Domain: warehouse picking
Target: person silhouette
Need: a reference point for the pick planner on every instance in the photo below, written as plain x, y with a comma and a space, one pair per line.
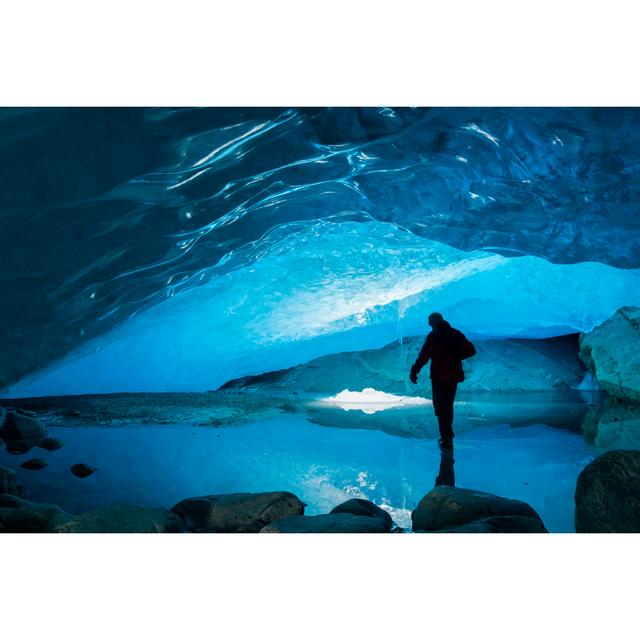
446, 347
446, 476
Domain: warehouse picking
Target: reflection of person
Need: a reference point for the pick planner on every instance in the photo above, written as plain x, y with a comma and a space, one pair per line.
446, 347
445, 474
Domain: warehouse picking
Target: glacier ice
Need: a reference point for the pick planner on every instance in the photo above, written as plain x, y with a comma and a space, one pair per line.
337, 285
106, 212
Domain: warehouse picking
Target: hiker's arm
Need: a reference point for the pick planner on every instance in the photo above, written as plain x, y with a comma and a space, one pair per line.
422, 359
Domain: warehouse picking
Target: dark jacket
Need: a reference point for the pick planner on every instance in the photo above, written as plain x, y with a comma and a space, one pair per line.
446, 347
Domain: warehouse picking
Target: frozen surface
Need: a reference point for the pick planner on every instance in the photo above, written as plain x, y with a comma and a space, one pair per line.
337, 285
262, 237
160, 465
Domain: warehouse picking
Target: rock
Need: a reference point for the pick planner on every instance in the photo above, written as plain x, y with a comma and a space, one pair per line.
237, 512
4, 512
497, 524
360, 507
81, 470
17, 447
448, 507
612, 353
32, 518
7, 500
500, 365
34, 464
612, 425
9, 482
3, 417
51, 444
18, 426
124, 518
328, 523
608, 494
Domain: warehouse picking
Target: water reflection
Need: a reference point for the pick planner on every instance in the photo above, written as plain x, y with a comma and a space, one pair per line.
446, 475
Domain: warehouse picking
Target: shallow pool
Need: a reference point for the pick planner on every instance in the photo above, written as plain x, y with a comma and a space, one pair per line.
158, 465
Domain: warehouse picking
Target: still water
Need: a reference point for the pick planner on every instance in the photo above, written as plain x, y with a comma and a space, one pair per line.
323, 464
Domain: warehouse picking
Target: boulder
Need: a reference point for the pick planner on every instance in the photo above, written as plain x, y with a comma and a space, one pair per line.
497, 524
9, 482
19, 426
608, 494
360, 507
328, 523
612, 353
32, 518
448, 507
124, 518
612, 425
34, 464
81, 470
51, 444
17, 447
11, 501
237, 512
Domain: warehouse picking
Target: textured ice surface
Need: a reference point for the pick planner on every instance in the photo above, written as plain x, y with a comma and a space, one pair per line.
106, 212
337, 285
151, 465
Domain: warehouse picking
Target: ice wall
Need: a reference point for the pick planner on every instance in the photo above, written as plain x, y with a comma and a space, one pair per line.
106, 213
336, 285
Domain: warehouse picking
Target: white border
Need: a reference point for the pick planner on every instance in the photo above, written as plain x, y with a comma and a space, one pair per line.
334, 52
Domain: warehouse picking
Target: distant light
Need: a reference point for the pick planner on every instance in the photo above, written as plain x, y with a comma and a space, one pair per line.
371, 400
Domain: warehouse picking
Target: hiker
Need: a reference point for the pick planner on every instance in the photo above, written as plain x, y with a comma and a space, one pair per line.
446, 347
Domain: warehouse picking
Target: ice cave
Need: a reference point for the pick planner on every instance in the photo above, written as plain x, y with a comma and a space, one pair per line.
209, 318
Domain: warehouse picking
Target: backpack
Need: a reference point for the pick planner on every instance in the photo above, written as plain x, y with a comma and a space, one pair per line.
465, 348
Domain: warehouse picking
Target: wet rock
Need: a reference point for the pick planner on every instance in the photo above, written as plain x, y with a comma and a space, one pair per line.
612, 353
51, 444
7, 500
237, 512
448, 507
3, 417
9, 482
328, 523
360, 507
124, 518
613, 425
17, 447
608, 494
497, 524
19, 426
32, 518
81, 470
4, 512
34, 464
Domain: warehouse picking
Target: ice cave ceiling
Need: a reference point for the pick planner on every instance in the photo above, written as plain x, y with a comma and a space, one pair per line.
173, 249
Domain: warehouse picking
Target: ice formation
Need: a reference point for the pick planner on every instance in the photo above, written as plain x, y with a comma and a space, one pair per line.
172, 249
